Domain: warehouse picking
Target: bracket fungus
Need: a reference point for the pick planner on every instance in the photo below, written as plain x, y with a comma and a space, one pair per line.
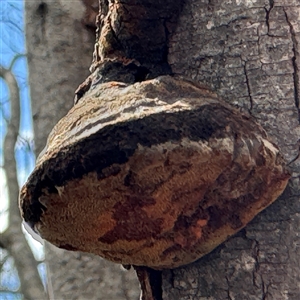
155, 174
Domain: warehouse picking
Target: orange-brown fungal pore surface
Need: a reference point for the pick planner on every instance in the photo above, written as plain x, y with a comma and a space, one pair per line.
157, 174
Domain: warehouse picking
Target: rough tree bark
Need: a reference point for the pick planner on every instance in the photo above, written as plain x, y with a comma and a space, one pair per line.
248, 52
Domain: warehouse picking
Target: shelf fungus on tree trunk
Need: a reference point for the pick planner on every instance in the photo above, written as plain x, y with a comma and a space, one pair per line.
154, 174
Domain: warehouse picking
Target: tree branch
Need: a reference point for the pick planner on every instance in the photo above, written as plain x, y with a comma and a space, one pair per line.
15, 58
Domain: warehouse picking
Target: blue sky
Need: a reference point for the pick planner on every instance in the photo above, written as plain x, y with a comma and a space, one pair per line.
12, 43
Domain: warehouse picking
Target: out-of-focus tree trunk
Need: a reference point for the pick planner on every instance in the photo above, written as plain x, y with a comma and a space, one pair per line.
59, 51
248, 52
13, 239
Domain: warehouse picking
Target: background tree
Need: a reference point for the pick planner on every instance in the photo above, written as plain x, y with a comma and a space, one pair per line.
59, 50
246, 51
13, 239
19, 269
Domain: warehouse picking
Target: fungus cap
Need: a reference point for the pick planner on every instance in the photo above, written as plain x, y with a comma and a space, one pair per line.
155, 174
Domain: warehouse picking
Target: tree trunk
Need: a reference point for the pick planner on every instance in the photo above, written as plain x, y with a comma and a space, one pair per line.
246, 51
59, 54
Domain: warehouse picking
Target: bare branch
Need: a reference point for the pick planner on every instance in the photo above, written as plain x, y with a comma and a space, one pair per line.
16, 57
13, 239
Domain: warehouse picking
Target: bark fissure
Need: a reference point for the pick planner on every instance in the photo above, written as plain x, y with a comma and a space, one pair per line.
295, 58
228, 289
248, 86
265, 289
42, 12
268, 11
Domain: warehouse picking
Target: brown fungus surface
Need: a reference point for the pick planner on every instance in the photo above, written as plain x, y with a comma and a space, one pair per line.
156, 174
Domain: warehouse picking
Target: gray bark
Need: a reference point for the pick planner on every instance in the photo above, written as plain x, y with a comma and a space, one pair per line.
246, 51
59, 54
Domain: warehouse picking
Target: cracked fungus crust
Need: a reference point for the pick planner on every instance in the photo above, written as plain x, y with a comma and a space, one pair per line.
155, 174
